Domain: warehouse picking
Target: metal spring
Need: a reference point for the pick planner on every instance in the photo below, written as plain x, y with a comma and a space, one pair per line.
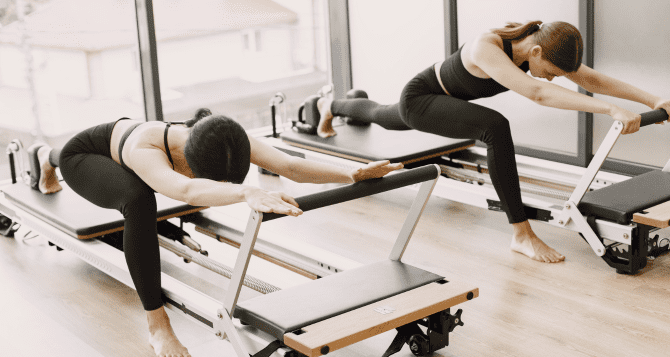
481, 178
215, 266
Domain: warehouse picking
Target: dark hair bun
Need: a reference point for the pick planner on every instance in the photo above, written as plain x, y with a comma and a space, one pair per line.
199, 114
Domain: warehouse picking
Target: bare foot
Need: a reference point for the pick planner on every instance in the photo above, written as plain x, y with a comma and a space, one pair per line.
325, 128
162, 338
525, 241
48, 180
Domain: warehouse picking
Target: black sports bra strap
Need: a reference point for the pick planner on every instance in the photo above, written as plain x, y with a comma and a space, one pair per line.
123, 142
507, 47
167, 148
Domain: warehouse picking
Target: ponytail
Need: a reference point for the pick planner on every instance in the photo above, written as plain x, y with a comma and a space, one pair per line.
561, 42
516, 31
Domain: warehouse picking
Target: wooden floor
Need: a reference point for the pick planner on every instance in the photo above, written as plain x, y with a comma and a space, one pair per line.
54, 304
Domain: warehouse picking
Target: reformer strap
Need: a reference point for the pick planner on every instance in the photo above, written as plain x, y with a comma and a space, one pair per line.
591, 220
269, 349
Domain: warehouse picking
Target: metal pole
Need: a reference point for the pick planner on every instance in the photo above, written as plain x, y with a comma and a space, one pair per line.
30, 66
146, 34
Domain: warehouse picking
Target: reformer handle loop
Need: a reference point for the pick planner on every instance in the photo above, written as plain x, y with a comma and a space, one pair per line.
653, 116
362, 189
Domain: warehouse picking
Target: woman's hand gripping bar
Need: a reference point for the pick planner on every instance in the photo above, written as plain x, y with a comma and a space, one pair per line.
654, 116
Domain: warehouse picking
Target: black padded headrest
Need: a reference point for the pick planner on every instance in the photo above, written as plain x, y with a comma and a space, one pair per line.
618, 202
286, 310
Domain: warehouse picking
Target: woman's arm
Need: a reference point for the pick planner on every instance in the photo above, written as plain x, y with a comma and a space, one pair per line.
493, 61
305, 171
596, 82
152, 166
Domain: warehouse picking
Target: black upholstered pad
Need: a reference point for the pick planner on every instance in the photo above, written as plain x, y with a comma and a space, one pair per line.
78, 217
374, 143
288, 310
618, 202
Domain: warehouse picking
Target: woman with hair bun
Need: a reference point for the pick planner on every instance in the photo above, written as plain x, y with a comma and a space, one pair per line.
202, 162
438, 99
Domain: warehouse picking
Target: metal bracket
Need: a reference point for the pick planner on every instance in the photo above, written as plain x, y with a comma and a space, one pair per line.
225, 329
570, 211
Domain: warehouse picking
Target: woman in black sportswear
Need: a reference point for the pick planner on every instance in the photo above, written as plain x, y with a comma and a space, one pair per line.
203, 162
437, 101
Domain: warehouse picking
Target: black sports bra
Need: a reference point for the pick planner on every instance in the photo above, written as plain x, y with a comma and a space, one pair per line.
463, 85
130, 130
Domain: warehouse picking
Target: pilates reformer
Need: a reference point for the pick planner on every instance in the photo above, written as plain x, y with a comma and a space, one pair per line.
292, 322
622, 222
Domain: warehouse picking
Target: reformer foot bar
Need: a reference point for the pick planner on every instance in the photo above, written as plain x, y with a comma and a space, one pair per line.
338, 310
623, 223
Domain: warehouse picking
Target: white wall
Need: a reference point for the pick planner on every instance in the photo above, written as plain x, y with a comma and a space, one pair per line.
532, 125
633, 45
391, 42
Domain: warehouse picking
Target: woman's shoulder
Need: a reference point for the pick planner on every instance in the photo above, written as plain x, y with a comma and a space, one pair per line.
488, 37
146, 134
473, 48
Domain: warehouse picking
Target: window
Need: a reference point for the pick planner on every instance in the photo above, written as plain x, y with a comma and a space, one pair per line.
628, 48
67, 65
533, 126
233, 56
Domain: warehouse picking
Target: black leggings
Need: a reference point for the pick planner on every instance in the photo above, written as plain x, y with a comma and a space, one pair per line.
87, 167
425, 107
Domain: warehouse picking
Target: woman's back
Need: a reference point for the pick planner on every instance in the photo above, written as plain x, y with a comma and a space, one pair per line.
147, 135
